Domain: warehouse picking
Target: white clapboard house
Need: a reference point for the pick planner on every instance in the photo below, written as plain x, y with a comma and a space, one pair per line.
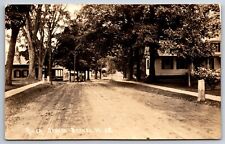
169, 65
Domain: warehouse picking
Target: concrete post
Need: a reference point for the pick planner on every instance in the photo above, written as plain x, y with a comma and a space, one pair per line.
43, 77
48, 80
201, 90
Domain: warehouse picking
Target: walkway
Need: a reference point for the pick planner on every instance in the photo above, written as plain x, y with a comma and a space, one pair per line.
21, 89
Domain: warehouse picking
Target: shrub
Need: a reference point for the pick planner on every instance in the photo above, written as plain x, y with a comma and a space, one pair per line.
212, 77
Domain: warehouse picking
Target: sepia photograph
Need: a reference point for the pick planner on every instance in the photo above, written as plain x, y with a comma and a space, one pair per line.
112, 72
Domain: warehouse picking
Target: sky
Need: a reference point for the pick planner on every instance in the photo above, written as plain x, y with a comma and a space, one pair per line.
73, 8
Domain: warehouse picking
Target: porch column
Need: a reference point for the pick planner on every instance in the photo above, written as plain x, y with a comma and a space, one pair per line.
191, 69
174, 63
207, 63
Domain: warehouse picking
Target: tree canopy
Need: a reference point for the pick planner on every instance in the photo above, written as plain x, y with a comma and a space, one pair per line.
15, 18
124, 31
120, 31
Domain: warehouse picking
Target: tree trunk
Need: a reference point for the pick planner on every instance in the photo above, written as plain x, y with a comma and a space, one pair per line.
88, 74
139, 57
49, 46
41, 59
34, 30
130, 66
49, 59
138, 69
40, 68
31, 49
100, 74
131, 72
41, 56
50, 66
96, 73
77, 76
10, 56
152, 77
74, 65
31, 52
70, 76
124, 72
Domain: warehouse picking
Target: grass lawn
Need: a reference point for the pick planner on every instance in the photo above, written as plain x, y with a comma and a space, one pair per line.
18, 83
193, 88
165, 93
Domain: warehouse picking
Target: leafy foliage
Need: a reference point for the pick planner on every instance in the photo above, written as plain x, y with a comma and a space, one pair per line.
212, 77
197, 25
123, 31
15, 15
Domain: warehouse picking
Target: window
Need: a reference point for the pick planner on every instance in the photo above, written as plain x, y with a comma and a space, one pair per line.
218, 47
167, 62
58, 73
25, 73
182, 63
17, 74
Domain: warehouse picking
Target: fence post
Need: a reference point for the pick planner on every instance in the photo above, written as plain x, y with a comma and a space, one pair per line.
201, 90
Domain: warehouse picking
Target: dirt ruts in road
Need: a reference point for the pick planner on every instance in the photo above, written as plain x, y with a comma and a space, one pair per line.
138, 114
102, 110
57, 113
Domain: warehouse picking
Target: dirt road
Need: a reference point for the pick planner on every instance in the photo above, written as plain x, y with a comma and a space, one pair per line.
104, 110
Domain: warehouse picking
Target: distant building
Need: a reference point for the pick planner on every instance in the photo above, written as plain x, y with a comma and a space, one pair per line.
20, 66
21, 69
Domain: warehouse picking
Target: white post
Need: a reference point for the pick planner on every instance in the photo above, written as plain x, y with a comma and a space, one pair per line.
201, 90
43, 77
48, 79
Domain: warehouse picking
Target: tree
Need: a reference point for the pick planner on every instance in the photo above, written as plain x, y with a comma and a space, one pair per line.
64, 52
96, 35
183, 27
69, 51
190, 39
30, 31
56, 14
123, 31
43, 23
136, 29
198, 23
15, 17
